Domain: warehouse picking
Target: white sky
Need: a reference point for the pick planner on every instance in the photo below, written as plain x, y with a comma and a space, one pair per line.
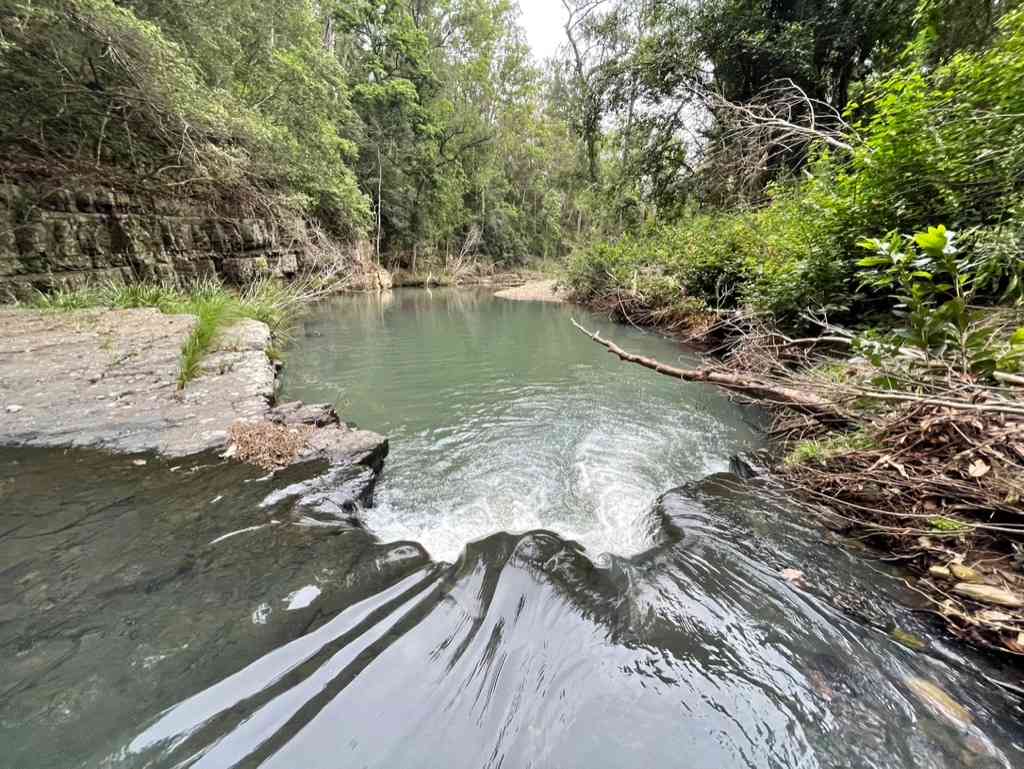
544, 22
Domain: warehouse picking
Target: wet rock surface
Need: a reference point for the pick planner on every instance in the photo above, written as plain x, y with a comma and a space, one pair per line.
334, 441
127, 588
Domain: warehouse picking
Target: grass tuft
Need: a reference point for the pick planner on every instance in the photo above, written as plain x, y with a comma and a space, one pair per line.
819, 451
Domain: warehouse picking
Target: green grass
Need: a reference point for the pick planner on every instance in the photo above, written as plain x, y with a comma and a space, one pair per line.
819, 451
214, 305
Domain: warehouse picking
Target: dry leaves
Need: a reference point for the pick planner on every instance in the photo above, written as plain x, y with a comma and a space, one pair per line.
268, 445
944, 488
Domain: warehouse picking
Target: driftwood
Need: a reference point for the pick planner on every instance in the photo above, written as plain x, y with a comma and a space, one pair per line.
795, 398
805, 402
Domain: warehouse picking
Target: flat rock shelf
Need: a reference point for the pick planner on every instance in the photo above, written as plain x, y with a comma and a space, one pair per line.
108, 379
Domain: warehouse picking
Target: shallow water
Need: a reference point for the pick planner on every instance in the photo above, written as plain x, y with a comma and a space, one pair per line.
190, 615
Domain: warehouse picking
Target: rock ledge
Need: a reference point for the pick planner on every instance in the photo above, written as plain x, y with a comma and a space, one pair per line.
108, 379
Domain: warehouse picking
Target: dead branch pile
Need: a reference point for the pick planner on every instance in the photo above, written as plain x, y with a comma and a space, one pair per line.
944, 489
775, 129
267, 445
933, 472
629, 305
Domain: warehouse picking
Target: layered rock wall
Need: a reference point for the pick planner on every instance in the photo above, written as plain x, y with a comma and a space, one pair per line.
66, 238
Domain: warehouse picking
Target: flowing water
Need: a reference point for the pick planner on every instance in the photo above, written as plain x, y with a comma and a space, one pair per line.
520, 595
502, 417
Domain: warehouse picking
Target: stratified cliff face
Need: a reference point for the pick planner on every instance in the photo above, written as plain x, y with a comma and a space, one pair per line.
67, 238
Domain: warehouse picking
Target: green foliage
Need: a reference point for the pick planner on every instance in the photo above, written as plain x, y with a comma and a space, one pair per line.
91, 85
935, 143
935, 285
429, 119
948, 26
822, 46
68, 300
777, 259
213, 311
943, 144
950, 525
820, 451
454, 137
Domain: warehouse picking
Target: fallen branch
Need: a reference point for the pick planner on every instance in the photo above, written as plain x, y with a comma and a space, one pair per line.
804, 402
1011, 379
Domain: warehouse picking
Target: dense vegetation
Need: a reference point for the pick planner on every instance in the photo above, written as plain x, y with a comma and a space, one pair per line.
419, 125
691, 157
853, 173
756, 182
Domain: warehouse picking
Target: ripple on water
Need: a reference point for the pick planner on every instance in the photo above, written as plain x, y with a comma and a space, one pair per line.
144, 626
502, 417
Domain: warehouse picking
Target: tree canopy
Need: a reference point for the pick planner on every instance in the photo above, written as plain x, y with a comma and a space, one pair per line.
428, 127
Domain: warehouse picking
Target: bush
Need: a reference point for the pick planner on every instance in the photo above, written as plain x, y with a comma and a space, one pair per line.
943, 144
779, 259
89, 88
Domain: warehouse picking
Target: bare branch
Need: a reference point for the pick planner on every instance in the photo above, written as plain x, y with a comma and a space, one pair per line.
799, 400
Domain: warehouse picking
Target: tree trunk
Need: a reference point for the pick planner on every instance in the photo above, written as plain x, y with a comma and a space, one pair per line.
380, 187
329, 34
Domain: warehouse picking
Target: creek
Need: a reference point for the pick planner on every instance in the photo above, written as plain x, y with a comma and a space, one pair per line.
559, 570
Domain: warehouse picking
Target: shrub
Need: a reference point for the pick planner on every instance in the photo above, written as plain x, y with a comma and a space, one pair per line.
935, 285
91, 89
779, 259
943, 144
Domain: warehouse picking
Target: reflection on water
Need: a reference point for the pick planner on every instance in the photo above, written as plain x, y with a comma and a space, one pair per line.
502, 417
135, 633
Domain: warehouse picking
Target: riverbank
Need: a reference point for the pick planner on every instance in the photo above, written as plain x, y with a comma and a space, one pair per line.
110, 379
468, 275
535, 291
924, 464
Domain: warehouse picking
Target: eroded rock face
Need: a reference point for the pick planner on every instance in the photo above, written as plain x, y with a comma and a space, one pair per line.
62, 238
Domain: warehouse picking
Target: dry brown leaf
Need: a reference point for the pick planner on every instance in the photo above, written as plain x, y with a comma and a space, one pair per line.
1015, 646
978, 468
940, 572
964, 573
899, 468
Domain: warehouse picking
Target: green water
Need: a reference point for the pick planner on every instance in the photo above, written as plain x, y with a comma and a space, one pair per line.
503, 417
